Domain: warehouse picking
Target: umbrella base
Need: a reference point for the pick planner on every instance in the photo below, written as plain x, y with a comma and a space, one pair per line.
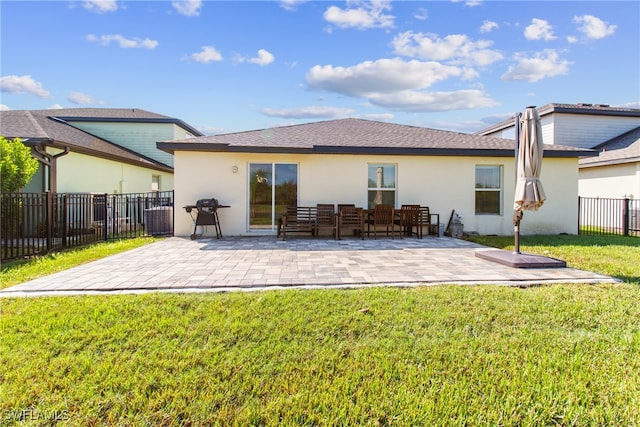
519, 260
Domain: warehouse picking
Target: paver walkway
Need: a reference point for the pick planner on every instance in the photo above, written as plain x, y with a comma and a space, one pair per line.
250, 263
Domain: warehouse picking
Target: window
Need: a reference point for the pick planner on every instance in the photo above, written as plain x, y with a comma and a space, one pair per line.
489, 190
155, 182
381, 185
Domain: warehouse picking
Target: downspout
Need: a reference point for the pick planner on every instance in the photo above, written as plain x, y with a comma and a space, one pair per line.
51, 160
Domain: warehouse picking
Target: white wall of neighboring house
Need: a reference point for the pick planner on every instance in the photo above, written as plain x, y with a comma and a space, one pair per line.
442, 183
587, 131
577, 130
79, 173
138, 137
612, 181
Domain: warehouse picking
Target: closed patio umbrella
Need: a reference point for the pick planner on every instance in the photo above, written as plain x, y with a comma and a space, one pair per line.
529, 194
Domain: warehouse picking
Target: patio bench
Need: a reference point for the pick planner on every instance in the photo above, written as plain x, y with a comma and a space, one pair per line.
309, 219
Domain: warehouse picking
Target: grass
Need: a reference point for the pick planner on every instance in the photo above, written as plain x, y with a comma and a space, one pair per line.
15, 272
616, 256
441, 355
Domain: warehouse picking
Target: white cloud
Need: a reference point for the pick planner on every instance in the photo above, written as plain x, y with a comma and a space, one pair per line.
56, 107
419, 101
312, 112
544, 64
421, 14
264, 58
123, 42
539, 29
187, 7
457, 48
398, 85
593, 27
81, 98
632, 104
207, 54
381, 76
23, 84
4, 107
488, 26
379, 116
101, 6
210, 130
366, 14
291, 5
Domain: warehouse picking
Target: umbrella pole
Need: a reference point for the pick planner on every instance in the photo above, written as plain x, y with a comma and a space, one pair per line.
517, 215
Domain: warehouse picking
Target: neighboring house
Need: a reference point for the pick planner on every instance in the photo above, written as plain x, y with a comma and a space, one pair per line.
615, 171
613, 132
97, 150
257, 173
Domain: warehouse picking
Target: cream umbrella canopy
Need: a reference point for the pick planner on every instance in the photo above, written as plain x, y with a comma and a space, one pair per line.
529, 194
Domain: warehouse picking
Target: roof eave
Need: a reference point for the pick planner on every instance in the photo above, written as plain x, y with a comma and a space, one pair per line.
611, 162
172, 147
177, 122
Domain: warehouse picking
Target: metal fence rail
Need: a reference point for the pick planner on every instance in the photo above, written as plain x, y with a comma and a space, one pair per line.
37, 223
604, 216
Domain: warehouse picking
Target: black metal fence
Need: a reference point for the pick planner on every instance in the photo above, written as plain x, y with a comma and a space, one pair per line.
36, 223
602, 216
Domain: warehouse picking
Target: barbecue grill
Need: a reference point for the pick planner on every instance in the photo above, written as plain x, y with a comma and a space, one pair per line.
205, 213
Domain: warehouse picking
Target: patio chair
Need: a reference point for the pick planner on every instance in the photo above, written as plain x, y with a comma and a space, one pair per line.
351, 219
429, 220
382, 216
326, 219
408, 219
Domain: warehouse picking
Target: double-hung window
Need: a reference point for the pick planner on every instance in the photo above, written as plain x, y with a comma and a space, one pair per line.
381, 184
488, 190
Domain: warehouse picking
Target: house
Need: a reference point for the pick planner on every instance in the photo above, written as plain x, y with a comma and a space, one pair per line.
257, 173
97, 150
611, 131
615, 171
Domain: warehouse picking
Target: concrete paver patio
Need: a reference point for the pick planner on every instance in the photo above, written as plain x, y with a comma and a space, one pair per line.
254, 263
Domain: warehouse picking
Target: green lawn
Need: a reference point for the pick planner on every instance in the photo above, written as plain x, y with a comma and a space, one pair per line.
440, 355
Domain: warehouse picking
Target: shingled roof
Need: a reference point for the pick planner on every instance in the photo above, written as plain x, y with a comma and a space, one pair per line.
358, 136
123, 115
36, 126
621, 149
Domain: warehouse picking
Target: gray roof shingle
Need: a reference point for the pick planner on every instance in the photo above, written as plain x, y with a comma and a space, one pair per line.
359, 136
621, 149
36, 126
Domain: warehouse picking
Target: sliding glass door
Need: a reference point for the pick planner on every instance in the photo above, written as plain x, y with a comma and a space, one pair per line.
272, 187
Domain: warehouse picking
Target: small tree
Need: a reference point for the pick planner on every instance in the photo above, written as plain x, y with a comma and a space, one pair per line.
17, 166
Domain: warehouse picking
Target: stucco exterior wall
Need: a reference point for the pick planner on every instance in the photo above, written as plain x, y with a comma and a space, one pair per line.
139, 137
613, 181
79, 173
442, 183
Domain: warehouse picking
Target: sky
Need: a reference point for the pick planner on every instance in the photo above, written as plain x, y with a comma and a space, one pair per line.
230, 66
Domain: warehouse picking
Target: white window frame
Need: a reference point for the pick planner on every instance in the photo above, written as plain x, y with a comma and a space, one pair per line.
498, 189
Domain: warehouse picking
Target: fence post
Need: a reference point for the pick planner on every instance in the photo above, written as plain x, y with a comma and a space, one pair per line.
65, 225
104, 215
625, 216
579, 215
49, 215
